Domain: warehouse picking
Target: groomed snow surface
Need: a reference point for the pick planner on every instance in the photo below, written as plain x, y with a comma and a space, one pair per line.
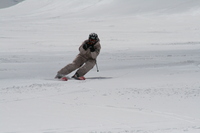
149, 79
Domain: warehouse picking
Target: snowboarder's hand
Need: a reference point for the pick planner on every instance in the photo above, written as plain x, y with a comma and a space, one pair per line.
85, 46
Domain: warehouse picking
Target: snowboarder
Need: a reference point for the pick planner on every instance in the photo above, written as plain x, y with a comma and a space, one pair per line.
85, 60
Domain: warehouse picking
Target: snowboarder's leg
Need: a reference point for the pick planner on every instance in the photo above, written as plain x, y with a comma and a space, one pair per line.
86, 67
78, 62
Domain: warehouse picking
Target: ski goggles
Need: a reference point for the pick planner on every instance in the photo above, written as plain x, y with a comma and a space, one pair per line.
92, 40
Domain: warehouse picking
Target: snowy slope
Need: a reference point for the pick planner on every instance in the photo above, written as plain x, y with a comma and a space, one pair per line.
149, 67
101, 8
8, 3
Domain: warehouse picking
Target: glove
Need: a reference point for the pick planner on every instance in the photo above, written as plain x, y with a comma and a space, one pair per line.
92, 49
85, 46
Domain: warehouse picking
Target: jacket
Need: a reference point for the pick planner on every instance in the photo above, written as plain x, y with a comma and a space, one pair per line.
87, 54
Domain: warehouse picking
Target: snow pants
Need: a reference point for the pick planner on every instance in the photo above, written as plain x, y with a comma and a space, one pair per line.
82, 64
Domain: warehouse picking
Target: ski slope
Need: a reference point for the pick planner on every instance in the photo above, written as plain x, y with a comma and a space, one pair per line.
8, 3
149, 67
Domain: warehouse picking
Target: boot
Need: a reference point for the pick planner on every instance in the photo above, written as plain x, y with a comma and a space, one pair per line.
76, 76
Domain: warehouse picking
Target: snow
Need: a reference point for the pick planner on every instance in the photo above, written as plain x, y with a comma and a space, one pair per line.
8, 3
149, 67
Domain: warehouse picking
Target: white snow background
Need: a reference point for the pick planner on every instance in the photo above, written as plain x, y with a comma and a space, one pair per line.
149, 79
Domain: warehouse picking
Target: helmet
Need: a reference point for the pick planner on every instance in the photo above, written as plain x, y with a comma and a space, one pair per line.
93, 36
